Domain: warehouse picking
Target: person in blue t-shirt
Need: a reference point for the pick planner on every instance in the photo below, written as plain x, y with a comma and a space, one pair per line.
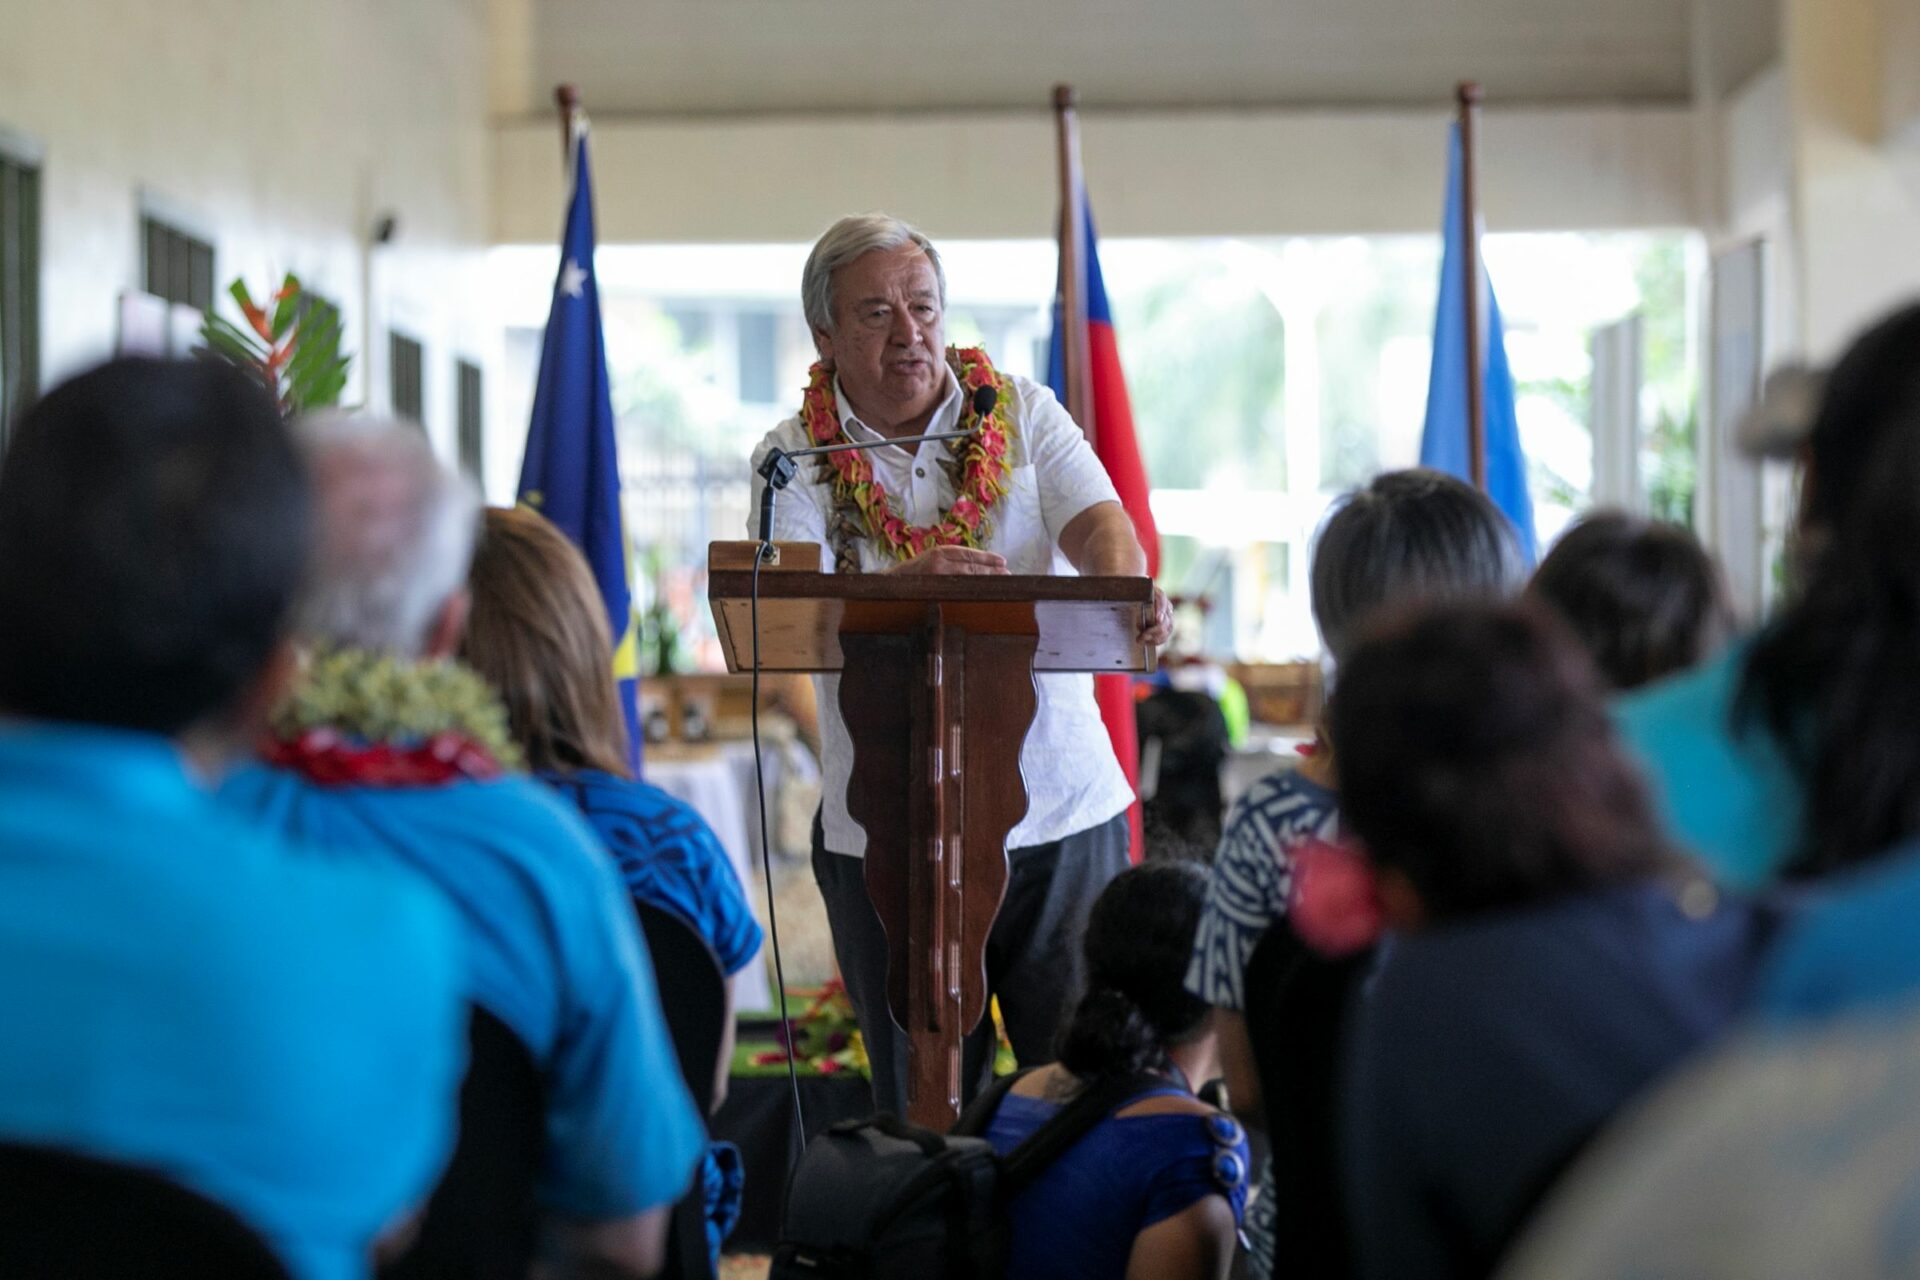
1157, 1188
538, 632
1551, 955
1406, 535
389, 746
277, 1030
1795, 754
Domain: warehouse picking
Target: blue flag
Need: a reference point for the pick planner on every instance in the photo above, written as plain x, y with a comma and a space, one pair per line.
1444, 445
571, 474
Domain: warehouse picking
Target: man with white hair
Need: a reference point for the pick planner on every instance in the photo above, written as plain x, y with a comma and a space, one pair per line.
1021, 493
390, 747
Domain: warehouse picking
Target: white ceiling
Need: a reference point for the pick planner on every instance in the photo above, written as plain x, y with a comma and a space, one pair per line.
722, 56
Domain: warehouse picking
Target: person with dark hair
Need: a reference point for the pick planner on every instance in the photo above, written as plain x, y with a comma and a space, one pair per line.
389, 747
538, 633
1404, 536
1796, 755
1645, 598
280, 1033
1155, 1189
1552, 956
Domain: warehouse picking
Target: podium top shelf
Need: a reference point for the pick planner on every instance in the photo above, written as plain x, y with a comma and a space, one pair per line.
1082, 624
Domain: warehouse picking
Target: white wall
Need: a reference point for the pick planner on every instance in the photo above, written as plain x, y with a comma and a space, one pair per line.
1857, 187
992, 175
279, 128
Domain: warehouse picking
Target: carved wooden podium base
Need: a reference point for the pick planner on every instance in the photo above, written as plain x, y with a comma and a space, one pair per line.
937, 692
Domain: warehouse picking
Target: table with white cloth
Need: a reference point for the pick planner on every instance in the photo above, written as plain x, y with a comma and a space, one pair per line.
717, 780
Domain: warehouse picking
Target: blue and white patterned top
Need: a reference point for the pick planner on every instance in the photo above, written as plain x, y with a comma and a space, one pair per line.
1251, 876
669, 857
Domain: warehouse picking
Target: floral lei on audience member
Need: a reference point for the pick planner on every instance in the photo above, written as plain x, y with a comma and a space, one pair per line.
366, 719
977, 466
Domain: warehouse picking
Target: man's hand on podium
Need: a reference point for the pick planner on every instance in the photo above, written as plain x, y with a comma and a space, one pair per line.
1158, 629
953, 560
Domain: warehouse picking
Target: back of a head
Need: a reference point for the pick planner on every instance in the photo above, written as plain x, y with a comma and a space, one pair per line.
1644, 597
1403, 537
1477, 760
1870, 396
1833, 678
155, 524
396, 532
1138, 941
538, 633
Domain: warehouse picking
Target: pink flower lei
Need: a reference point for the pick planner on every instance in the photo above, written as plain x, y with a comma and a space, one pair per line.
979, 467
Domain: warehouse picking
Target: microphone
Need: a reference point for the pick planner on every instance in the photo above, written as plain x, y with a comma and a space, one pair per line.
779, 469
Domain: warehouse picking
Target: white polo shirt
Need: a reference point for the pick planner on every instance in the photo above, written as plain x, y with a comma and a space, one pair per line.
1073, 781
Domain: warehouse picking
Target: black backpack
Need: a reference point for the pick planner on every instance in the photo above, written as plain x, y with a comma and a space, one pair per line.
879, 1198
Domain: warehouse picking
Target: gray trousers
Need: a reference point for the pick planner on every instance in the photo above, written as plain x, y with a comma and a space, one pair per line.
1033, 953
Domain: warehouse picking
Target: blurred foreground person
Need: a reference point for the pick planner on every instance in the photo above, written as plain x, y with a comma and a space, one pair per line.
1796, 754
1782, 1158
1644, 597
1156, 1189
278, 1031
538, 633
1405, 536
1550, 958
387, 745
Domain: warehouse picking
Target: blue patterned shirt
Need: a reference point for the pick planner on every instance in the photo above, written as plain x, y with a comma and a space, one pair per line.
669, 857
1251, 876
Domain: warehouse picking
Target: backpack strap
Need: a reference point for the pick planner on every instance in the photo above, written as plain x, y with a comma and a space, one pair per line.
1054, 1138
974, 1120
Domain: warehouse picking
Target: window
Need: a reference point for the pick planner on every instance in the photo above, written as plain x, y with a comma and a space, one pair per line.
19, 287
472, 434
179, 265
404, 360
758, 379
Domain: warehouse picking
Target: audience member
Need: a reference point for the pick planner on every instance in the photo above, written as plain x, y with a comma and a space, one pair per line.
1795, 754
275, 1030
389, 746
1643, 596
1407, 535
1552, 955
538, 632
1157, 1188
1780, 1157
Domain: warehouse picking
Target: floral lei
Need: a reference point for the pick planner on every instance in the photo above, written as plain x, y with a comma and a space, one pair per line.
977, 465
366, 719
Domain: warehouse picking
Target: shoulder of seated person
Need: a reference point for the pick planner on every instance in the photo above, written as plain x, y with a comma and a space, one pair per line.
1167, 1104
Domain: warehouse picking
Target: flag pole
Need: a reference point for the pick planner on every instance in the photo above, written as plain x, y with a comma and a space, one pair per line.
1072, 285
1473, 279
567, 98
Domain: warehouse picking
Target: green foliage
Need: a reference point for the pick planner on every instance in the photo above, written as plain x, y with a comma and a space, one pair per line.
294, 350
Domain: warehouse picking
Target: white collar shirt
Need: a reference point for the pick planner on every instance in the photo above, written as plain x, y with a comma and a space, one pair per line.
1073, 781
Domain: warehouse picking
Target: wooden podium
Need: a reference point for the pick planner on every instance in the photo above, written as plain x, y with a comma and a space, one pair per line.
937, 696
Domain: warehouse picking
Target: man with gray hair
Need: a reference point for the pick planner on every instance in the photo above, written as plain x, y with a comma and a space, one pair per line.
1021, 493
388, 747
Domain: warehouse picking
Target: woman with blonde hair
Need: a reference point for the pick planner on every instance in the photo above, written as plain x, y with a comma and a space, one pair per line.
538, 631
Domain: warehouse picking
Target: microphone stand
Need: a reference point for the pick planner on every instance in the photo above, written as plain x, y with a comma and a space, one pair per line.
779, 468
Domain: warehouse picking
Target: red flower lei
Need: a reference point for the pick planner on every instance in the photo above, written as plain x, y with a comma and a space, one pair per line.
979, 468
332, 759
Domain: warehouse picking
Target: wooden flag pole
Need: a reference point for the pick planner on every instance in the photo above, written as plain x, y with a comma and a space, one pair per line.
1474, 283
567, 98
1072, 285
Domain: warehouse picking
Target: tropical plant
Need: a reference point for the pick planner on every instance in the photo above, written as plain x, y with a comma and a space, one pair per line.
294, 348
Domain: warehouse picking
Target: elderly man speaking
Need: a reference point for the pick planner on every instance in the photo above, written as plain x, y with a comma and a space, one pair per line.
1022, 493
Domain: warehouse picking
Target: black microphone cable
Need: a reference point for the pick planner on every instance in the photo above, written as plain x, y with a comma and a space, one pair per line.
760, 555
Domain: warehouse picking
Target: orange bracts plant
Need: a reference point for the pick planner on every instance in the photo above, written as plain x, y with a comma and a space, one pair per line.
294, 348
